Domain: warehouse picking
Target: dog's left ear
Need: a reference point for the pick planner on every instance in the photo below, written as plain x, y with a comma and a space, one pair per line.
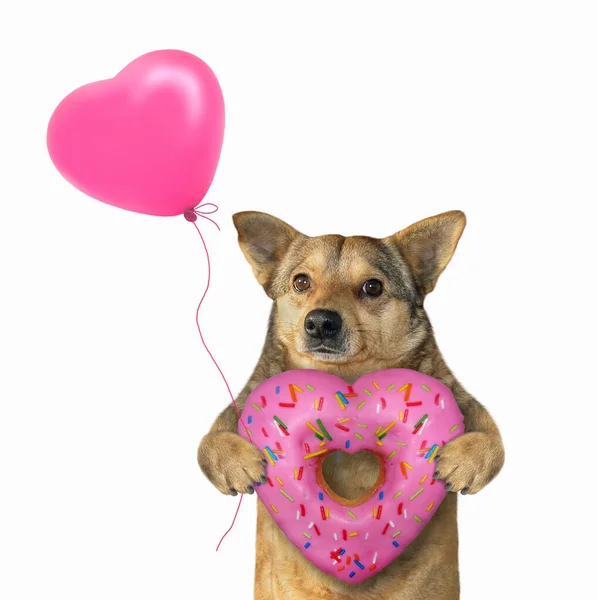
264, 240
428, 246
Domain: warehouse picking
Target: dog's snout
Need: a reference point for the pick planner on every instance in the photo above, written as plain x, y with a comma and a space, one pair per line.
323, 324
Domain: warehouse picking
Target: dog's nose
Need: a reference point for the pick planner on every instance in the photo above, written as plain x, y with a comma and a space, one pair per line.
322, 324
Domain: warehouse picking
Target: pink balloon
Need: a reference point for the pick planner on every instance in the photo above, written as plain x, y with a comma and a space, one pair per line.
147, 140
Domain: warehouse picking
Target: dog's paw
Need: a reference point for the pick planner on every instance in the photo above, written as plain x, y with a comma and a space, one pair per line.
469, 462
231, 463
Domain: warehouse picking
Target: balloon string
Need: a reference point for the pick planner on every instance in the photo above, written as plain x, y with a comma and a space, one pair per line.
191, 215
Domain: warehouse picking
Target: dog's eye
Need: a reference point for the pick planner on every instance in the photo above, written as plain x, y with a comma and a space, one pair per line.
372, 287
301, 283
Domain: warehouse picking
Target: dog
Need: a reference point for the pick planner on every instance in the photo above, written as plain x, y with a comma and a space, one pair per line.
349, 306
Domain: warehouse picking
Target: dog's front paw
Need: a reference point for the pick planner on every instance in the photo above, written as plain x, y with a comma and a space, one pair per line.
231, 463
469, 462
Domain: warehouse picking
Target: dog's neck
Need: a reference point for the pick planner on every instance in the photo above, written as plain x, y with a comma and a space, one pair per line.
351, 371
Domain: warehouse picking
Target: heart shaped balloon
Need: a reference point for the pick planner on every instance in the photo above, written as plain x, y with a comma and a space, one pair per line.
147, 140
301, 417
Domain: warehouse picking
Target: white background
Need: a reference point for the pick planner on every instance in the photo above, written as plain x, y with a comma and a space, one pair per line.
347, 117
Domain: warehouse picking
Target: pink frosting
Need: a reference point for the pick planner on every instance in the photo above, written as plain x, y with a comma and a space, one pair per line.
403, 416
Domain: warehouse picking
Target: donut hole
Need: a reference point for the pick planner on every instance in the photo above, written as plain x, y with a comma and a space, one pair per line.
351, 479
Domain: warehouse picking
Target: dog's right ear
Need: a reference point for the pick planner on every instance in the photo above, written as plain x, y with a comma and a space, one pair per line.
264, 240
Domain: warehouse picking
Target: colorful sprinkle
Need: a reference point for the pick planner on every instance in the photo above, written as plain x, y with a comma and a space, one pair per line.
383, 432
256, 407
321, 495
352, 574
285, 405
250, 419
310, 387
279, 481
314, 429
314, 454
271, 453
358, 435
454, 428
351, 393
420, 421
375, 385
425, 387
351, 514
274, 508
391, 454
395, 543
307, 544
430, 506
367, 392
358, 564
361, 405
431, 454
397, 495
306, 535
280, 422
347, 444
416, 494
406, 388
325, 432
286, 495
418, 519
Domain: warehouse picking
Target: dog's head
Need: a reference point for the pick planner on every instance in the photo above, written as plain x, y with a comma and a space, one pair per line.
342, 300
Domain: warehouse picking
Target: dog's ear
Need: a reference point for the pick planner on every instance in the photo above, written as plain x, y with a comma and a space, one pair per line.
264, 241
428, 246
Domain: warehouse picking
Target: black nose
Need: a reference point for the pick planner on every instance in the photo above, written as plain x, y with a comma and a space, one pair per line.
323, 324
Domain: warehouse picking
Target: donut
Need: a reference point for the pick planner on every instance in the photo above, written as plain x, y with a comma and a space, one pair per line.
299, 418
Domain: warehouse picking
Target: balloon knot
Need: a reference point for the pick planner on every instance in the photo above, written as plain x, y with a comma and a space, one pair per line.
190, 215
201, 210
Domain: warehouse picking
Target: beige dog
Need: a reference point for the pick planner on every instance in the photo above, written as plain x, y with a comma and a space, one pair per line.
349, 306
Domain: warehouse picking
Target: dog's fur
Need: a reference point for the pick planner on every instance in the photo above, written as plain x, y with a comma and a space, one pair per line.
392, 330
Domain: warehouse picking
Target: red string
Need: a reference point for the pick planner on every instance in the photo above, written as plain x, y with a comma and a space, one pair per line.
191, 215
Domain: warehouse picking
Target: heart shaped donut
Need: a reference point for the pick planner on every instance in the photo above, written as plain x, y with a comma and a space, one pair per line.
300, 417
